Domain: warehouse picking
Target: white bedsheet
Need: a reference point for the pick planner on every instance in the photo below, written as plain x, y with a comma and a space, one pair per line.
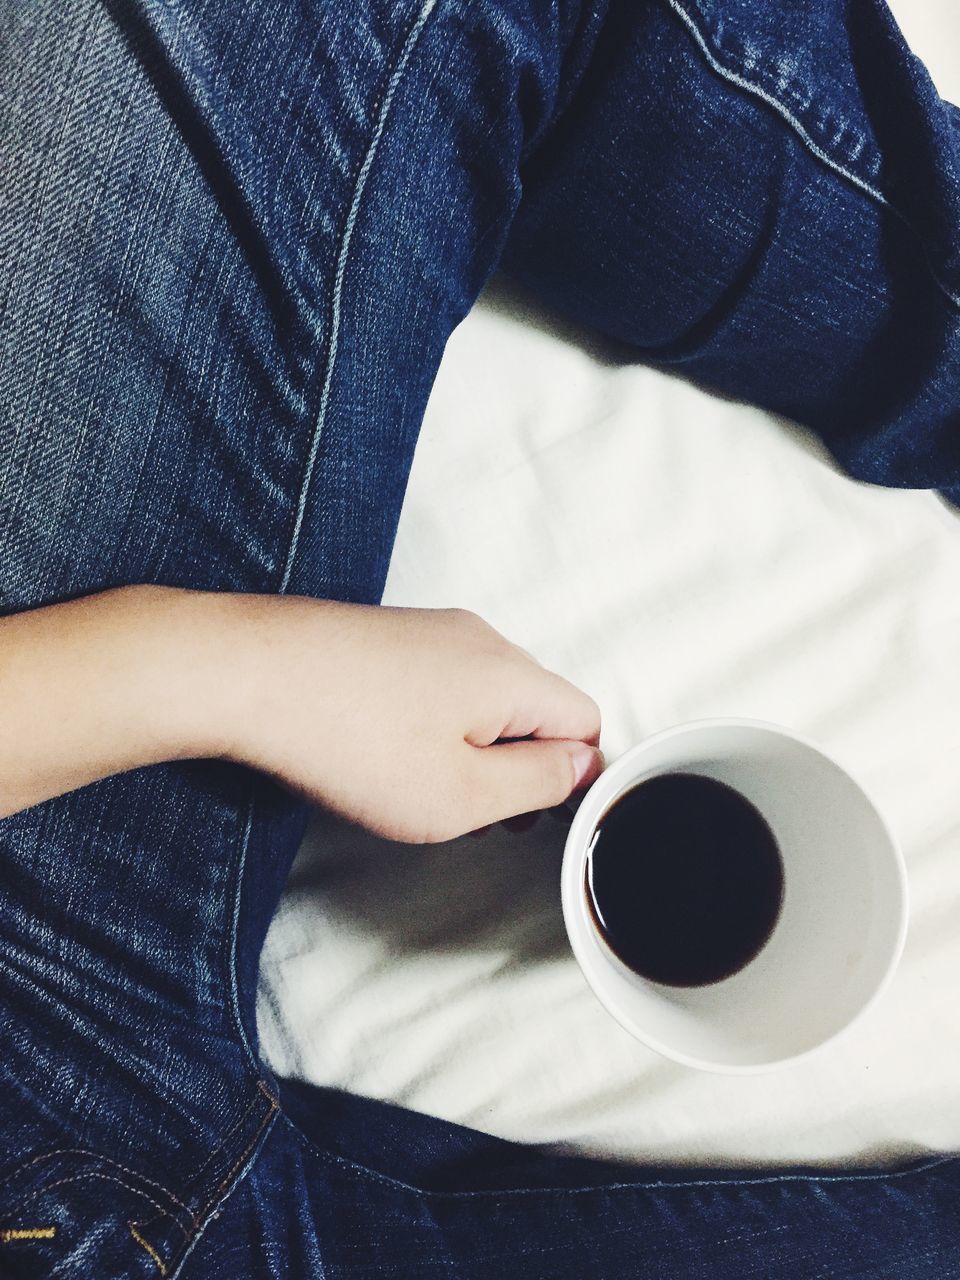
678, 557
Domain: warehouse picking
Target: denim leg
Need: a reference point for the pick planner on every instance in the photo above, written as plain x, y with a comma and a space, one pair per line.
776, 215
348, 1189
233, 242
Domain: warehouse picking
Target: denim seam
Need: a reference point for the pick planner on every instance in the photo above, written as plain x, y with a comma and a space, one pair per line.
195, 1177
195, 1216
509, 1192
81, 1151
238, 1164
148, 1248
226, 1188
215, 1198
361, 182
105, 1177
232, 981
749, 86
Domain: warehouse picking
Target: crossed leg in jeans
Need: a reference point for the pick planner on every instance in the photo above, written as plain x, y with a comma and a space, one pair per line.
235, 239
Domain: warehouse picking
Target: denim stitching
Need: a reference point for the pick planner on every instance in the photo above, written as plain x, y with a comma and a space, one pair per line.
195, 1177
394, 82
200, 1218
80, 1151
105, 1177
224, 1190
232, 983
261, 1089
660, 1185
145, 1244
814, 148
264, 1123
189, 1236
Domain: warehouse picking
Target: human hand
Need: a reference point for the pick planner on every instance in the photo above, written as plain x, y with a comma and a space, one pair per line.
395, 718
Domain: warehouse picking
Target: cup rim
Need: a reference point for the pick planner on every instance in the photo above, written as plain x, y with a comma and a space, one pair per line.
614, 779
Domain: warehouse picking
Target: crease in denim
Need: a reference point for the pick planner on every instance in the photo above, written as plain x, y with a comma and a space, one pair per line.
749, 86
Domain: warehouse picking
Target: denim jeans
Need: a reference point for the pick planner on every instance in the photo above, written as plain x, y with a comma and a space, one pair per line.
235, 238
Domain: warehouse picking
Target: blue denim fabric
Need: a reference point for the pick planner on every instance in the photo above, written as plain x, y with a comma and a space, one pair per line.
233, 242
776, 215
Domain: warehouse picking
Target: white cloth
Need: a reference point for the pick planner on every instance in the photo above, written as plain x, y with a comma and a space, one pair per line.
677, 556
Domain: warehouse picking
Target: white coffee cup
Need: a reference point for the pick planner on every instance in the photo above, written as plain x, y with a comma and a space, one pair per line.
841, 930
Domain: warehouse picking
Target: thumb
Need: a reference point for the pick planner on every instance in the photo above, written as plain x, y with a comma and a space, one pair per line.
535, 773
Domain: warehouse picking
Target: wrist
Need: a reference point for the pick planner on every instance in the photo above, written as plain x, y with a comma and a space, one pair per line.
187, 669
262, 646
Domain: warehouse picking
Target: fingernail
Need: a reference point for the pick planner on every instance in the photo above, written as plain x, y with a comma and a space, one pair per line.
587, 764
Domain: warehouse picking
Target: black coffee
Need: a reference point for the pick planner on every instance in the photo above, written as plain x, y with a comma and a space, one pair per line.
684, 879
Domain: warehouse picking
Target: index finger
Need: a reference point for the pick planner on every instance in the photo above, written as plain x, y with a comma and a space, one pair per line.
545, 705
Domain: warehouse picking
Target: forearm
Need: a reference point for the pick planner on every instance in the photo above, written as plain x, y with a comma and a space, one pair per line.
110, 682
419, 724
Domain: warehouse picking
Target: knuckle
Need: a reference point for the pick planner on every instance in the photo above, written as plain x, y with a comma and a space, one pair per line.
480, 631
465, 617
